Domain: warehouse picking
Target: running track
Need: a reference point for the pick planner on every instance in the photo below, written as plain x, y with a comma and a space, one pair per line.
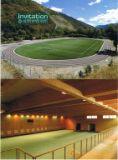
9, 55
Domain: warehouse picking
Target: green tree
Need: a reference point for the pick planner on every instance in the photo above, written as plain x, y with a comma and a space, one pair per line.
21, 32
88, 69
81, 74
111, 32
110, 63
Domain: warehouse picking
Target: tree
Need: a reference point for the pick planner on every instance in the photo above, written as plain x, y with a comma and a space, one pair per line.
90, 32
88, 69
110, 63
111, 32
21, 32
81, 74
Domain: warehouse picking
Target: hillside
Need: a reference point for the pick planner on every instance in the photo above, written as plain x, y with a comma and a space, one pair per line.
107, 25
115, 25
102, 26
59, 24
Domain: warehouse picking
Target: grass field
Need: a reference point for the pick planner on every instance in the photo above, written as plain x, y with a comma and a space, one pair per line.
61, 49
43, 142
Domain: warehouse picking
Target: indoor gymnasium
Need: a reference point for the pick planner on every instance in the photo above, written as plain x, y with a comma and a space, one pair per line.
59, 119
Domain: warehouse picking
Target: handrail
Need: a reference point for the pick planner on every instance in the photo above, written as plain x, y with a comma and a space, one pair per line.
53, 150
71, 143
8, 150
112, 128
25, 152
19, 149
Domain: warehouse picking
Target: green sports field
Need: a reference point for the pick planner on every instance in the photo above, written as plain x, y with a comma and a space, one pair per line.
43, 142
61, 49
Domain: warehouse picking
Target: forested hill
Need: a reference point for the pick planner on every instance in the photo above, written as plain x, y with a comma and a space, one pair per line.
115, 25
59, 24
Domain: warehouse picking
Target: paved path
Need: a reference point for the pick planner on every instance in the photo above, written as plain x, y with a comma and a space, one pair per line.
105, 150
9, 54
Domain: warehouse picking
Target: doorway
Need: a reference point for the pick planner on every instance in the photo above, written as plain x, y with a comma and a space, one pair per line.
78, 127
91, 127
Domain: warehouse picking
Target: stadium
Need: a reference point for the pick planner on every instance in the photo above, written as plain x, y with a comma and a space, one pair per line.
59, 119
57, 52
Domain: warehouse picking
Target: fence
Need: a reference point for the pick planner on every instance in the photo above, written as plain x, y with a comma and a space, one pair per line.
70, 151
48, 69
16, 153
76, 149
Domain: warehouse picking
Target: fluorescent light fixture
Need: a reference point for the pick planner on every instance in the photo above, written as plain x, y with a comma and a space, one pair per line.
105, 116
113, 116
88, 117
109, 116
92, 117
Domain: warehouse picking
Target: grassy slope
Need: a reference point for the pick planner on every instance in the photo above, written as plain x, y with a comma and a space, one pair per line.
43, 142
9, 71
105, 73
61, 49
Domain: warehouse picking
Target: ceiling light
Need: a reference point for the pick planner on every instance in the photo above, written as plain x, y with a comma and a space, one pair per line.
27, 116
46, 117
100, 103
33, 116
22, 116
54, 117
92, 98
42, 116
8, 116
62, 117
15, 116
63, 92
106, 105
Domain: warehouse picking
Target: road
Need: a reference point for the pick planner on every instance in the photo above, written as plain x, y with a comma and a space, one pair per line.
9, 54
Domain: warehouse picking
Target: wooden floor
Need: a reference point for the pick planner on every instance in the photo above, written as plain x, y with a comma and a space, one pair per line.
105, 150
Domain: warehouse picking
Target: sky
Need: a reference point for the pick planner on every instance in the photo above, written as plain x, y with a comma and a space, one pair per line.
93, 12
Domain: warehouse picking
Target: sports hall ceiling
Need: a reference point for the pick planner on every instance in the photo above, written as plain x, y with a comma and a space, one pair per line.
59, 97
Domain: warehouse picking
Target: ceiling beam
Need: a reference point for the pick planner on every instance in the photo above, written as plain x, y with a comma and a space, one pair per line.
60, 102
62, 86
